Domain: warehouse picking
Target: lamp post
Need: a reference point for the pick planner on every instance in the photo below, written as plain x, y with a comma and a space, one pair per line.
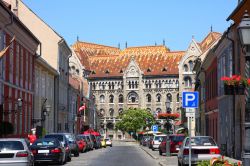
167, 129
45, 112
244, 36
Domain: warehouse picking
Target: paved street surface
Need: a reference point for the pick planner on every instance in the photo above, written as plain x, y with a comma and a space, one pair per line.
121, 154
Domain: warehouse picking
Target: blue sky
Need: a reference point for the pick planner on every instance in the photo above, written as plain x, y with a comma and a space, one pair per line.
139, 22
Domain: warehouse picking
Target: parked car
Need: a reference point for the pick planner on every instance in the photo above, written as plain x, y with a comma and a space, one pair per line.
108, 142
98, 142
82, 145
203, 148
156, 141
93, 140
150, 142
103, 142
48, 150
15, 151
89, 144
64, 141
175, 143
144, 140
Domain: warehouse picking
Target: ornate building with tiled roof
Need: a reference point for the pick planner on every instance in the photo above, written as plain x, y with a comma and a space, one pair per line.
136, 77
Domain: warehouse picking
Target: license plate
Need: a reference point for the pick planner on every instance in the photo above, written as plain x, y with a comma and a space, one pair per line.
43, 151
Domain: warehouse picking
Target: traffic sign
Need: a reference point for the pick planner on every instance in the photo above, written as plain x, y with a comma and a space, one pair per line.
190, 114
155, 128
190, 110
190, 99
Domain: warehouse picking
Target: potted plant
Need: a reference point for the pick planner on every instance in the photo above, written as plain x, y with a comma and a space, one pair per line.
235, 84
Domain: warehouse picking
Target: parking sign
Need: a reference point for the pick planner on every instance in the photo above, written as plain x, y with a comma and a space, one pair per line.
190, 99
155, 128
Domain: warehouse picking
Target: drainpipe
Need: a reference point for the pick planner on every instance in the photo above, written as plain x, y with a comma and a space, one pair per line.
233, 70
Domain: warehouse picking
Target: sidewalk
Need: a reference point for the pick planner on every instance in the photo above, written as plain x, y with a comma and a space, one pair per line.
172, 161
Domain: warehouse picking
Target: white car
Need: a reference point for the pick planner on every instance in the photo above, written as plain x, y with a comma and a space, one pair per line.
108, 142
15, 151
202, 148
157, 141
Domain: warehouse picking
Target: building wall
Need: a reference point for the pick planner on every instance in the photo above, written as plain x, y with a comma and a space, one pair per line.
16, 77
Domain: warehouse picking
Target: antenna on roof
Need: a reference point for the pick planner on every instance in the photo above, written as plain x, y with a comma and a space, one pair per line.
77, 38
126, 45
163, 42
211, 28
119, 46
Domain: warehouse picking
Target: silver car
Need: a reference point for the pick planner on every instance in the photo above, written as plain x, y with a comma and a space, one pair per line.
157, 141
15, 151
202, 148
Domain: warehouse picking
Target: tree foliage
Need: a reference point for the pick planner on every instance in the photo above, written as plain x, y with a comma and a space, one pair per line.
135, 119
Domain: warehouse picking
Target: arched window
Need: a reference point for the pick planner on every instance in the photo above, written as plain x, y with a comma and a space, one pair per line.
191, 65
120, 111
158, 98
102, 112
185, 68
102, 99
121, 98
111, 99
111, 112
148, 96
148, 109
77, 71
110, 126
169, 97
158, 110
188, 82
133, 97
178, 97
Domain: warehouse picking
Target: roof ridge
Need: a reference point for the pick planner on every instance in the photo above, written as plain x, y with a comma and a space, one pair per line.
96, 44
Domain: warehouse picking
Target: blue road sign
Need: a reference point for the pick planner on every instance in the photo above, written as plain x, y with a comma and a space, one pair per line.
190, 99
155, 128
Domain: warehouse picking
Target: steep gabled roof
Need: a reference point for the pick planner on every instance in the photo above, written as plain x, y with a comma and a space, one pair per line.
209, 40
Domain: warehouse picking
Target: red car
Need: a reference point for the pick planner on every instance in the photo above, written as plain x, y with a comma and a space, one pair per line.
81, 144
175, 143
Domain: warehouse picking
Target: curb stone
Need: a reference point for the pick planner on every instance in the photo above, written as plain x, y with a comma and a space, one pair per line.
149, 153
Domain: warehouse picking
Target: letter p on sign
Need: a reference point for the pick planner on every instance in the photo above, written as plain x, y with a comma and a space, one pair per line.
190, 99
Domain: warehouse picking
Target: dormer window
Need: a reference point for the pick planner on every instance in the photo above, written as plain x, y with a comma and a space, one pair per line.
164, 69
148, 70
121, 71
107, 71
93, 72
77, 71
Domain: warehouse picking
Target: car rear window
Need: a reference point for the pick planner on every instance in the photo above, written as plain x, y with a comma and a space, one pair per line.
11, 145
59, 137
46, 143
201, 141
177, 138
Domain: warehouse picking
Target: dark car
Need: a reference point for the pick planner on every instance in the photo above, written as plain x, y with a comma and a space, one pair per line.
94, 140
65, 143
73, 144
48, 150
175, 143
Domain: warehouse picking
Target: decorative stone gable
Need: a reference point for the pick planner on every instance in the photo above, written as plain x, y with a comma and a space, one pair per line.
133, 70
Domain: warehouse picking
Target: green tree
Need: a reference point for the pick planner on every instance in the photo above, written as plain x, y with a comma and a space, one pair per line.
134, 119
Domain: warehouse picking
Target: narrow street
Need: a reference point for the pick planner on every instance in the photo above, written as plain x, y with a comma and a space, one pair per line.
121, 154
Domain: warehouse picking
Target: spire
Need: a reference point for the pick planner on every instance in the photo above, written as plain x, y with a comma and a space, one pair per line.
77, 38
119, 46
155, 44
163, 42
126, 45
211, 28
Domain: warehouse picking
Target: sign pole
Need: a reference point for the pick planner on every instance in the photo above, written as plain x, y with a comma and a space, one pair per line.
189, 157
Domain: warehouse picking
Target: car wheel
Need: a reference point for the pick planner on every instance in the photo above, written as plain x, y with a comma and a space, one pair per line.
110, 145
69, 157
179, 164
160, 152
76, 154
153, 149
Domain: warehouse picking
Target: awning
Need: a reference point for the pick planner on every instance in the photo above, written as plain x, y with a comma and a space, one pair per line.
93, 132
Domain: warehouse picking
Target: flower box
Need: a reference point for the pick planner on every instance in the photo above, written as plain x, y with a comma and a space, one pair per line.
228, 89
240, 90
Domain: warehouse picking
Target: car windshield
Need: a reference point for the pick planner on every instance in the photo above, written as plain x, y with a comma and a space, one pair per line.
201, 141
45, 143
177, 138
107, 139
59, 137
158, 138
11, 145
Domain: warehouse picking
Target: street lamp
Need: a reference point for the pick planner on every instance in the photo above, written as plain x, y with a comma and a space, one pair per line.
167, 129
244, 35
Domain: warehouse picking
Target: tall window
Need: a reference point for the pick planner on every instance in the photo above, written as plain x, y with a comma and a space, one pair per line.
169, 97
111, 99
111, 112
158, 98
120, 98
188, 82
102, 99
191, 65
178, 97
120, 111
185, 68
148, 96
133, 97
102, 112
